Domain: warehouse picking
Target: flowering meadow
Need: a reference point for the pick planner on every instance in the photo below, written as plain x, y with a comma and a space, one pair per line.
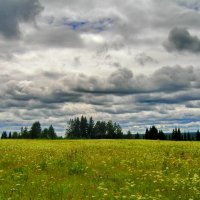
99, 169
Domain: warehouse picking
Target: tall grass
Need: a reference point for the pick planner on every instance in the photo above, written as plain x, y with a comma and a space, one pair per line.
99, 169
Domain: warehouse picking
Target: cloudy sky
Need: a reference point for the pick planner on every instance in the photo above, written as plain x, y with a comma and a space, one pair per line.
134, 61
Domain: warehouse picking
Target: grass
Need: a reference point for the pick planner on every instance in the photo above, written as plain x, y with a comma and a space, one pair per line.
99, 169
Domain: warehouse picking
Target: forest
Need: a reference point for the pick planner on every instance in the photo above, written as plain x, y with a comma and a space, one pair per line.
84, 128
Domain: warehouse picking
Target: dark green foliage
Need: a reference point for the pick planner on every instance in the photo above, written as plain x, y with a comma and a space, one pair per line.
51, 133
188, 136
118, 131
36, 130
73, 127
15, 135
198, 136
88, 129
176, 134
129, 135
35, 133
24, 133
4, 135
137, 136
110, 130
84, 127
153, 134
185, 136
44, 133
161, 135
100, 130
147, 134
10, 135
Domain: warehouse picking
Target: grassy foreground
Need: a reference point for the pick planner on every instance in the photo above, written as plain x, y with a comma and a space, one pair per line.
99, 169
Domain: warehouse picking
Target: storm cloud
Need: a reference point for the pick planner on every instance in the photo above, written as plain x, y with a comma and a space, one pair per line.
13, 13
180, 39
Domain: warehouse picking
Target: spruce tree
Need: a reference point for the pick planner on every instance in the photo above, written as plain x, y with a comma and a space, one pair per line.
137, 136
198, 136
129, 135
35, 131
91, 128
51, 133
44, 134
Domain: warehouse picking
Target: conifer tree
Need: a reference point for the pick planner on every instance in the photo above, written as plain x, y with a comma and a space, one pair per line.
35, 131
198, 135
51, 133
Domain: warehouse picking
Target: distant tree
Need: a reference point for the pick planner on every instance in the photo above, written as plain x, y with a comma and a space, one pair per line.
179, 135
83, 127
24, 133
103, 129
137, 136
147, 134
70, 129
129, 135
74, 128
184, 136
35, 131
77, 130
15, 135
198, 135
118, 134
169, 136
176, 134
4, 135
100, 130
90, 130
51, 133
44, 134
110, 130
153, 133
188, 136
10, 135
161, 135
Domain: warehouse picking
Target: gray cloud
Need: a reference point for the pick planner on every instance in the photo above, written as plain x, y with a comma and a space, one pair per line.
192, 4
57, 37
123, 82
150, 96
13, 13
181, 40
144, 59
42, 91
174, 78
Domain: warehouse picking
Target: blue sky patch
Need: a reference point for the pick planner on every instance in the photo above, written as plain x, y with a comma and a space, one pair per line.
87, 25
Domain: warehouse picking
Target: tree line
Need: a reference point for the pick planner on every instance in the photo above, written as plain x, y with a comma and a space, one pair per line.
83, 128
87, 128
35, 132
154, 134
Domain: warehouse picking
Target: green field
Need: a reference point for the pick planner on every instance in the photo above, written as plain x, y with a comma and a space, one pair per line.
99, 169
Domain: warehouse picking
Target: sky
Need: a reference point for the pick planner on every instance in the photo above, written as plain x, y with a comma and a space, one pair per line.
135, 62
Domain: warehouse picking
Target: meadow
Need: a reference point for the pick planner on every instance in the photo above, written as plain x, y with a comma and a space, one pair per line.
99, 169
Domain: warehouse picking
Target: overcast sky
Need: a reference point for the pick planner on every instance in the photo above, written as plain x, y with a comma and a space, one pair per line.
134, 61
